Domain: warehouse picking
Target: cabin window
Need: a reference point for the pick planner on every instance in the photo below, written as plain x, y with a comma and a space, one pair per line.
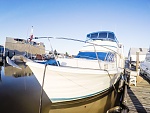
34, 43
104, 56
94, 35
20, 40
88, 35
103, 35
111, 36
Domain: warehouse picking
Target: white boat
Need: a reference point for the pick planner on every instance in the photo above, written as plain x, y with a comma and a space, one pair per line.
95, 70
145, 65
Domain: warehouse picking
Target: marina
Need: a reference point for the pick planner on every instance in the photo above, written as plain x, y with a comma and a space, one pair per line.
24, 90
88, 82
95, 80
139, 85
81, 56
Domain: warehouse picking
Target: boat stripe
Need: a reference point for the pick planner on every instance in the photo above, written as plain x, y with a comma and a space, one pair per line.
75, 98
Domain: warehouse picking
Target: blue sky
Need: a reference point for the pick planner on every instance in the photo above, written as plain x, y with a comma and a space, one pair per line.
128, 19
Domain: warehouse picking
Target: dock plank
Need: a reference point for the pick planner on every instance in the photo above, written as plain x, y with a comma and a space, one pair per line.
138, 97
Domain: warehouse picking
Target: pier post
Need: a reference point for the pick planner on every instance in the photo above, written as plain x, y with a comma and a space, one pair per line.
137, 60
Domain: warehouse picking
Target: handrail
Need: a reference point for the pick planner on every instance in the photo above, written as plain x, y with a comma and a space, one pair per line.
78, 41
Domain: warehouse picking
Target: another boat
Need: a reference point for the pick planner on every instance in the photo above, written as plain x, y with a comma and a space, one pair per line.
1, 54
145, 65
94, 71
17, 46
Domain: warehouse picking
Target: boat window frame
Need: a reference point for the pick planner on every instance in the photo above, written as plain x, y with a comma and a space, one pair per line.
110, 55
98, 38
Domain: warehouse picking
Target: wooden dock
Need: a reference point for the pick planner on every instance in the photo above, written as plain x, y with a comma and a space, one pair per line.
138, 97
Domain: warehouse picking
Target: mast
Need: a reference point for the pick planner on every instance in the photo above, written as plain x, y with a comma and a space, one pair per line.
31, 35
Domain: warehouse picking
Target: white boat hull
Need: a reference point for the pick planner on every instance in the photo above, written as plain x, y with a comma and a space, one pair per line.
145, 68
63, 84
145, 65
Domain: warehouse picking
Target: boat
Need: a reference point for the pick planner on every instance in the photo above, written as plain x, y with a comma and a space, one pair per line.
17, 46
145, 65
1, 54
90, 74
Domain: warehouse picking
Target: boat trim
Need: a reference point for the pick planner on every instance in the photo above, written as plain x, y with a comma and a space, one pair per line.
75, 98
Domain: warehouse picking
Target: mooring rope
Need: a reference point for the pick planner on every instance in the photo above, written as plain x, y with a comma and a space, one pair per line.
40, 106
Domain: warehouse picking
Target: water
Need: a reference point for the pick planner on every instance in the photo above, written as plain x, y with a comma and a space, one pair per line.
20, 92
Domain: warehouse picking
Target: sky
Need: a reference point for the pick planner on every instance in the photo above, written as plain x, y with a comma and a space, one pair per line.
128, 19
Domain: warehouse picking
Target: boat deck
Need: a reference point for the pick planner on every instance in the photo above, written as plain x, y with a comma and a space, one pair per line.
138, 97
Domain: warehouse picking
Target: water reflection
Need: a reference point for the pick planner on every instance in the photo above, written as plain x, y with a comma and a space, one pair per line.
20, 93
25, 71
0, 74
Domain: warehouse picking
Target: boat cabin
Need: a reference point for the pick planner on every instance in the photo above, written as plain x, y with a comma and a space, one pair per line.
103, 35
101, 53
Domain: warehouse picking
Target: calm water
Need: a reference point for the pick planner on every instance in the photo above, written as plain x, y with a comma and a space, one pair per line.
20, 93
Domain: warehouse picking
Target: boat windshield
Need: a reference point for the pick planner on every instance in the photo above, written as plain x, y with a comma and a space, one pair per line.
148, 57
105, 35
104, 56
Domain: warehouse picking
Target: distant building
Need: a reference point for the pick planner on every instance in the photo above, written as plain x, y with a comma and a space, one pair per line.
132, 54
16, 46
